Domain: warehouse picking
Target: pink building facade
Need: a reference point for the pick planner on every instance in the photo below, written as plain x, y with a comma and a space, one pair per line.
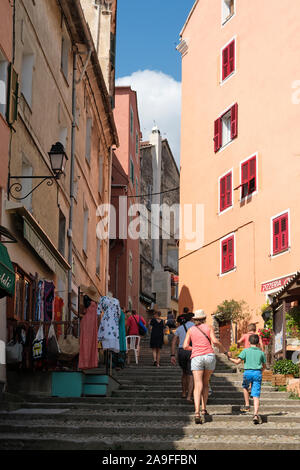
240, 151
124, 264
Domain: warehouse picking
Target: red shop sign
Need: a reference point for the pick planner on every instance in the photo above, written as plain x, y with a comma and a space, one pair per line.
277, 284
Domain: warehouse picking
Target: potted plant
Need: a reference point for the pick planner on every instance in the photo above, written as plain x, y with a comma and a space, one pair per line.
284, 369
265, 334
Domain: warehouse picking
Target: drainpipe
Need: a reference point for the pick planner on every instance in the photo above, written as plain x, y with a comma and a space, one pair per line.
109, 202
72, 167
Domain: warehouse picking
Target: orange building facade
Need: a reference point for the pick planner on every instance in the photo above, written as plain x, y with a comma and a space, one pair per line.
240, 158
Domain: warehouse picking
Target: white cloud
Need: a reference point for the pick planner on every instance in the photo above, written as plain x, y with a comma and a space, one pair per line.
159, 103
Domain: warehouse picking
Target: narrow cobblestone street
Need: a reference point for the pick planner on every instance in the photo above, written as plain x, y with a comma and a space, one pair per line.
148, 413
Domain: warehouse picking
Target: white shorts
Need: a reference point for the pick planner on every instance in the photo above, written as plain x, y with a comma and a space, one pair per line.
205, 362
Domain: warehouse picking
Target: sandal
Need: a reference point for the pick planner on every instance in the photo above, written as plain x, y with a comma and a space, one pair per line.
245, 409
205, 413
257, 419
198, 419
155, 363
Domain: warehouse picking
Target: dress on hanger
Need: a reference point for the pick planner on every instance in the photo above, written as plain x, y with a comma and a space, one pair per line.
108, 332
88, 352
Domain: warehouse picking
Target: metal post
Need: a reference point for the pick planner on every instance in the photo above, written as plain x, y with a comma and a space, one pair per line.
284, 329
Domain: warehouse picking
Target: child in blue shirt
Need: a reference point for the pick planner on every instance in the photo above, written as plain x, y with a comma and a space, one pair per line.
254, 363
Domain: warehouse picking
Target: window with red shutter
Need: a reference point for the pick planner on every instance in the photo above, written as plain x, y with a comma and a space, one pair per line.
226, 128
228, 60
280, 234
225, 192
234, 121
218, 134
249, 177
228, 254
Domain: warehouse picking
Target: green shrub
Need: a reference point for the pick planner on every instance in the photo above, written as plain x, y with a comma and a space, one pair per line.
285, 367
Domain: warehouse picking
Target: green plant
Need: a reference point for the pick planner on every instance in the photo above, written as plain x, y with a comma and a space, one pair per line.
293, 322
235, 350
286, 367
232, 310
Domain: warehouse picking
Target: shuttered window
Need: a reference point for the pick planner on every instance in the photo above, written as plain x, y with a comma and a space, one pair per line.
225, 191
280, 233
228, 254
249, 177
220, 138
228, 60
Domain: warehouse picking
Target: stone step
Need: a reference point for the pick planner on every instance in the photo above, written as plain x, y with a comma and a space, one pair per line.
111, 418
142, 404
176, 386
162, 430
174, 394
201, 441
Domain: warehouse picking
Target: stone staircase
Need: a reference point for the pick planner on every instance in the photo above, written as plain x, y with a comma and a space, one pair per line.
148, 413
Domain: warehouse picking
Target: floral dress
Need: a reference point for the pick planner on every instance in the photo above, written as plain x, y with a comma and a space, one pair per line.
108, 332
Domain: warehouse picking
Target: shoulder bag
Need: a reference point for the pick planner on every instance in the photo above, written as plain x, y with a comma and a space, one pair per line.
141, 326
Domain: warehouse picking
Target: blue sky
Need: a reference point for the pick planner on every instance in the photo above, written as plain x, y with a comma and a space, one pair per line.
148, 33
147, 60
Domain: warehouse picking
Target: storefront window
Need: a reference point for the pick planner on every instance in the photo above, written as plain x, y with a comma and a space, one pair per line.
20, 306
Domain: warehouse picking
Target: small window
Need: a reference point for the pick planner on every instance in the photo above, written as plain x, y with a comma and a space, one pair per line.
88, 138
226, 128
227, 247
27, 77
65, 50
228, 10
280, 227
100, 185
61, 233
226, 192
137, 143
98, 257
131, 171
85, 230
249, 177
3, 84
228, 60
131, 121
130, 267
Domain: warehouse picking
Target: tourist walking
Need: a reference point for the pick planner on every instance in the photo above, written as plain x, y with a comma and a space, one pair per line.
184, 357
203, 360
157, 326
244, 340
254, 362
132, 329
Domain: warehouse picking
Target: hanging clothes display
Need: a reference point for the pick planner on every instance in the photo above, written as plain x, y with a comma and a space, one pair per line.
45, 301
58, 313
49, 289
88, 352
108, 332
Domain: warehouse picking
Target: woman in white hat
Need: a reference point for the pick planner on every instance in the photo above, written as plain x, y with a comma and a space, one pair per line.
203, 360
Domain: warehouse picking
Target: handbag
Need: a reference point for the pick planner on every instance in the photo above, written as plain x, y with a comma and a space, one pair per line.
141, 326
53, 349
69, 347
14, 352
39, 345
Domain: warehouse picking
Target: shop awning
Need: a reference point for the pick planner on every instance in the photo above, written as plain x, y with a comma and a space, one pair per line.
7, 273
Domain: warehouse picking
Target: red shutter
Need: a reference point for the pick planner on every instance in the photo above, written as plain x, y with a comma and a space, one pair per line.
284, 239
228, 190
245, 178
225, 63
280, 233
222, 193
234, 121
224, 256
231, 48
252, 174
276, 236
230, 253
218, 134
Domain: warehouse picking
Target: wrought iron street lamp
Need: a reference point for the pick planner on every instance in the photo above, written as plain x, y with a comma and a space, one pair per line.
58, 160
